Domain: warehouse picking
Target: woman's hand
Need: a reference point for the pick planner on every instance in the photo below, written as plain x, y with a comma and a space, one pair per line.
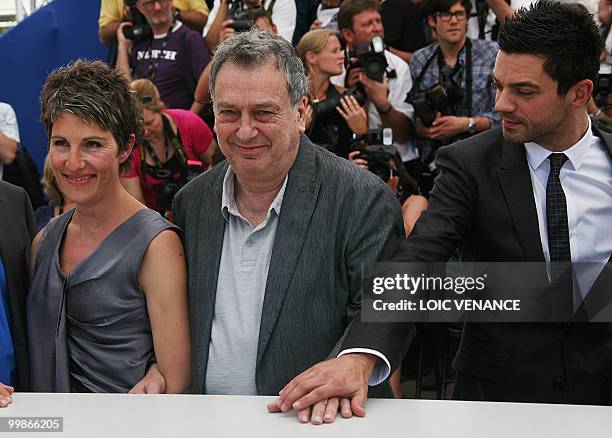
308, 113
354, 115
352, 156
5, 395
152, 383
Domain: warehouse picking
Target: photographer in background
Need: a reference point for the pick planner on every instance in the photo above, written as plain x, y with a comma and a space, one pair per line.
257, 17
172, 57
177, 146
453, 94
375, 152
283, 13
333, 114
383, 77
193, 13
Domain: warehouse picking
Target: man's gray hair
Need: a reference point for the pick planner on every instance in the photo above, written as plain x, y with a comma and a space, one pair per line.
255, 48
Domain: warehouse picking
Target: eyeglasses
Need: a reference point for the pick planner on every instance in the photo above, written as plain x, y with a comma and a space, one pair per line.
146, 99
149, 4
446, 16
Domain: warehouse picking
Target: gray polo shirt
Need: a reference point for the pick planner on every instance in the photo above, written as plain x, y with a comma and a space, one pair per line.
241, 284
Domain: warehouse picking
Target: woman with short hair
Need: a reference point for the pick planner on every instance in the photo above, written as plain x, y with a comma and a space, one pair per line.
107, 308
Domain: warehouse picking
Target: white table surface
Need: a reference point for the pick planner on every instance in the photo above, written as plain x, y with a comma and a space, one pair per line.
118, 416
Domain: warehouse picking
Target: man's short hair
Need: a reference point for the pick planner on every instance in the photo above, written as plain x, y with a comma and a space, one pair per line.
350, 8
431, 7
255, 48
564, 35
93, 92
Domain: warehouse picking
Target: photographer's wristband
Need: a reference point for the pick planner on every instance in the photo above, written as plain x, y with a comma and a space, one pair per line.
385, 110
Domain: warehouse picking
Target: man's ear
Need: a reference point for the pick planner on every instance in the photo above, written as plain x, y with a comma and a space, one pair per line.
580, 93
348, 34
301, 108
431, 21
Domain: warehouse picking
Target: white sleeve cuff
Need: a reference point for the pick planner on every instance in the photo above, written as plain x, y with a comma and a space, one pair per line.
380, 372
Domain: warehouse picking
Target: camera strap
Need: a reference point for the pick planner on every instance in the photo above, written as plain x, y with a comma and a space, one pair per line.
467, 101
154, 64
164, 170
468, 78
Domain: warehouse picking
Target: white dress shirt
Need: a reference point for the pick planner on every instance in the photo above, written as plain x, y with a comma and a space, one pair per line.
586, 178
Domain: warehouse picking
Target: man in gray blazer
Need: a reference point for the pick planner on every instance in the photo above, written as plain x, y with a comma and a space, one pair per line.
275, 237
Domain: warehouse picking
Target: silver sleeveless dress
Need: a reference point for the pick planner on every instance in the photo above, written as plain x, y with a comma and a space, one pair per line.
90, 331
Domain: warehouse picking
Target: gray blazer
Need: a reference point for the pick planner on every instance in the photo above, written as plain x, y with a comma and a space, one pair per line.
334, 217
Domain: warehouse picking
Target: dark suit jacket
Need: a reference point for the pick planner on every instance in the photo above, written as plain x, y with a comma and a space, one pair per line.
334, 217
483, 203
17, 229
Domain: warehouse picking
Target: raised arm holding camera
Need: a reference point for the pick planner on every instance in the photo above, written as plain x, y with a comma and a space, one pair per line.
333, 114
258, 17
193, 13
171, 56
384, 77
283, 13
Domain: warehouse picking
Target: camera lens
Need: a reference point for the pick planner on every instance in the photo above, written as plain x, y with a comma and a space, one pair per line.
374, 68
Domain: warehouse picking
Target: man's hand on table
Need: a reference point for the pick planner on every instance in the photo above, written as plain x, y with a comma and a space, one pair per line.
318, 392
323, 411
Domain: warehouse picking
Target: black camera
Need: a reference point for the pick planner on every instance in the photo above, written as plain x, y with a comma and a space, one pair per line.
376, 147
429, 102
140, 29
327, 107
440, 98
243, 17
167, 190
371, 57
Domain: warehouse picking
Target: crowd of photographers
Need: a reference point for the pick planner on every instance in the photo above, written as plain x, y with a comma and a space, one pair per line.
389, 80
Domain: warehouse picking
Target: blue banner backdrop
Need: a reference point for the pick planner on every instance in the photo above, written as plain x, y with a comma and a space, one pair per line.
54, 35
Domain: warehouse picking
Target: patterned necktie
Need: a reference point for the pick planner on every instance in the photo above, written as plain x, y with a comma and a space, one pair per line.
558, 241
556, 212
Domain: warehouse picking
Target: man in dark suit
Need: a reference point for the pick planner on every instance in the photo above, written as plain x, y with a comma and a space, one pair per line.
538, 190
275, 237
18, 227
